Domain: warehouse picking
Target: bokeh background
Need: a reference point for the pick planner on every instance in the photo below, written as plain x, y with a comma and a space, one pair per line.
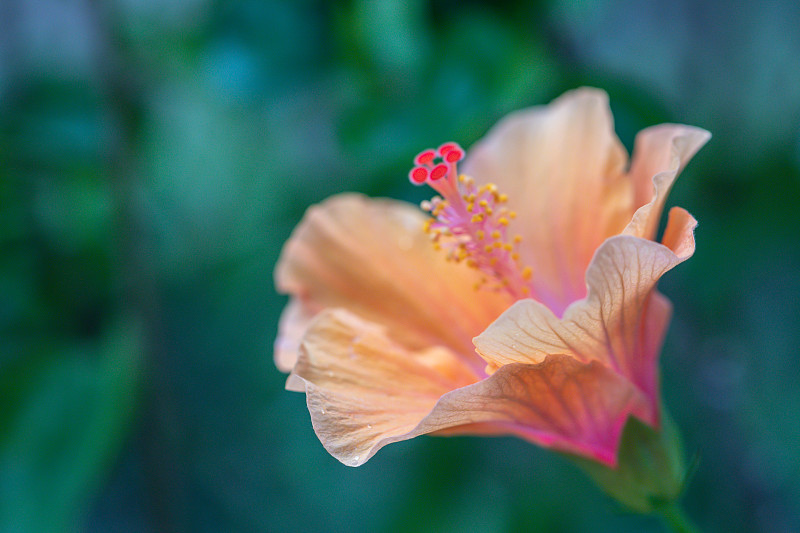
155, 154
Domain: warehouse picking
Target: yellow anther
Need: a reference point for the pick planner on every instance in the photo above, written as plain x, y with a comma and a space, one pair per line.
471, 228
527, 273
512, 215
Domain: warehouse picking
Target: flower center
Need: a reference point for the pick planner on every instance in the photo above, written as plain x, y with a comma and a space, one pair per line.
470, 223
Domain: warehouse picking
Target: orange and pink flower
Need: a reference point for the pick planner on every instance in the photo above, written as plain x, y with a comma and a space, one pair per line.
524, 303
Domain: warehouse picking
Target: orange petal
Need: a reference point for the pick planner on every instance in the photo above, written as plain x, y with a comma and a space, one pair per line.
679, 233
618, 324
659, 155
293, 324
559, 403
562, 167
373, 258
364, 391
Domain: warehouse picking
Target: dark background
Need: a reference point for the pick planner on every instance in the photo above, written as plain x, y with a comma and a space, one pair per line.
155, 154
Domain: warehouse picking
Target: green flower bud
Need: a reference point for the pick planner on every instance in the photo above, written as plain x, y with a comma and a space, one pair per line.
650, 472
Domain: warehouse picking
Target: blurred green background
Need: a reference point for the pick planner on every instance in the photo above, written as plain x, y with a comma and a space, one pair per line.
155, 154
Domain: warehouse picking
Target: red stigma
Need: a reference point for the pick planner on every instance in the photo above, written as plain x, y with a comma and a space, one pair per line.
438, 172
453, 155
418, 175
447, 148
437, 168
425, 157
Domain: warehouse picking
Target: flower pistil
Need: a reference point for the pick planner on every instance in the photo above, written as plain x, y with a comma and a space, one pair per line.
471, 222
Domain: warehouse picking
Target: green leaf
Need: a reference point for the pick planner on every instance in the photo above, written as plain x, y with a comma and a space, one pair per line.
63, 418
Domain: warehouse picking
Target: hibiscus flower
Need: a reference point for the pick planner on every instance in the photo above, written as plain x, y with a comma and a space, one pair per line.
522, 303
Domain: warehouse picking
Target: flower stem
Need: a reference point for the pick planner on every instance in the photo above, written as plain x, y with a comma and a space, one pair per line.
676, 519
